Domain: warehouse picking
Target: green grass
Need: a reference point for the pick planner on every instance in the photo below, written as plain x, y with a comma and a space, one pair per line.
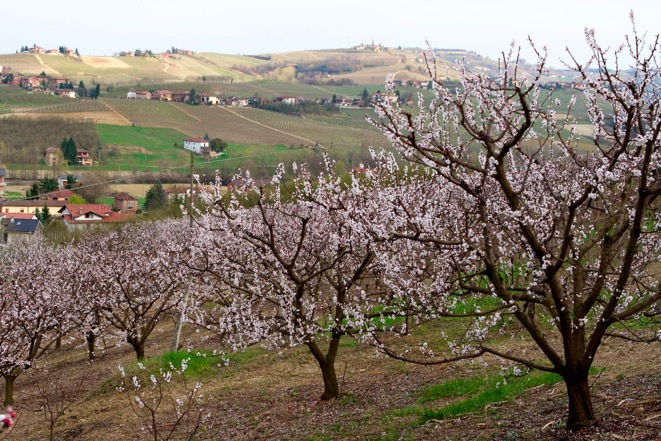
493, 391
468, 395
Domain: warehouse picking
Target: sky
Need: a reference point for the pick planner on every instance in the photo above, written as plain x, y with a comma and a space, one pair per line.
487, 27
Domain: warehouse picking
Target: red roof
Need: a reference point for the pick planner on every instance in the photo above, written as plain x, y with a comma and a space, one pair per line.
18, 216
176, 189
197, 140
123, 196
62, 193
103, 211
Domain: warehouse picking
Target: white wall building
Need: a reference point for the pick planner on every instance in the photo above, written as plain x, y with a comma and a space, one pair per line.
197, 145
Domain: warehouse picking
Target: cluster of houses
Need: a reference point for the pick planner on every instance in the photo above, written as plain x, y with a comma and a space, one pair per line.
19, 220
199, 98
39, 83
53, 157
64, 51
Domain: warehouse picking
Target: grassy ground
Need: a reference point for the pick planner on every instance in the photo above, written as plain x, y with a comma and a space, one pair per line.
274, 395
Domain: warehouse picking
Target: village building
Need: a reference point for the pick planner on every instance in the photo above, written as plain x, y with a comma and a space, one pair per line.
3, 184
29, 206
53, 156
176, 192
84, 158
79, 216
125, 203
199, 146
162, 95
18, 230
57, 195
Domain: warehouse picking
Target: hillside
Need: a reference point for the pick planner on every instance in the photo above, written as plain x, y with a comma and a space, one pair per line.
361, 67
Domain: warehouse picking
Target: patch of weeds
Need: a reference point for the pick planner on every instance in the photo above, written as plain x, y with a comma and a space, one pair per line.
452, 388
319, 438
348, 343
348, 398
485, 391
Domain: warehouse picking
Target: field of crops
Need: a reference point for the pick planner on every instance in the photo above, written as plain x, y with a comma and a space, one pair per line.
151, 113
71, 106
141, 148
15, 97
326, 131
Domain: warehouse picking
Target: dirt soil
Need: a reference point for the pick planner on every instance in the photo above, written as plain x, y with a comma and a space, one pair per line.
276, 397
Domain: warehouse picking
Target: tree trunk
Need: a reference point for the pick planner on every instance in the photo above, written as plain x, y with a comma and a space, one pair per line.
327, 366
331, 386
138, 346
9, 390
139, 350
58, 342
581, 412
91, 342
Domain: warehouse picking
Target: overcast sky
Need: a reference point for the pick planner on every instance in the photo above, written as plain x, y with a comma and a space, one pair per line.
260, 26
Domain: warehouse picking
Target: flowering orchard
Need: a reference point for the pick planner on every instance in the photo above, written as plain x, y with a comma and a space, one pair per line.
567, 243
490, 215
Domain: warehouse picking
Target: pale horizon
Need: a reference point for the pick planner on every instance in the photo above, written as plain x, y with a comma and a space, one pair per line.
258, 27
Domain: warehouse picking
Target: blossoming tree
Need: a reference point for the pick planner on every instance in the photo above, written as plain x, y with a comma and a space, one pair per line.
541, 223
288, 269
139, 273
36, 303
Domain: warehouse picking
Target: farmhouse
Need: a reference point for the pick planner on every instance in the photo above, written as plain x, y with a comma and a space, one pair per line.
291, 100
29, 206
83, 157
131, 95
181, 97
125, 203
384, 97
18, 230
66, 92
88, 215
143, 95
57, 195
53, 156
162, 95
197, 145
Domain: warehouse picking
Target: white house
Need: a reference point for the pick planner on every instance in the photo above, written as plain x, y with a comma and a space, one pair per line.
131, 95
197, 145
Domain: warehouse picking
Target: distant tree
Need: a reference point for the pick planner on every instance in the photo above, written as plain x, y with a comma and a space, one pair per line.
69, 150
82, 90
33, 191
138, 53
77, 53
217, 145
365, 96
192, 99
8, 79
71, 181
43, 215
206, 136
46, 185
77, 199
155, 197
43, 73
